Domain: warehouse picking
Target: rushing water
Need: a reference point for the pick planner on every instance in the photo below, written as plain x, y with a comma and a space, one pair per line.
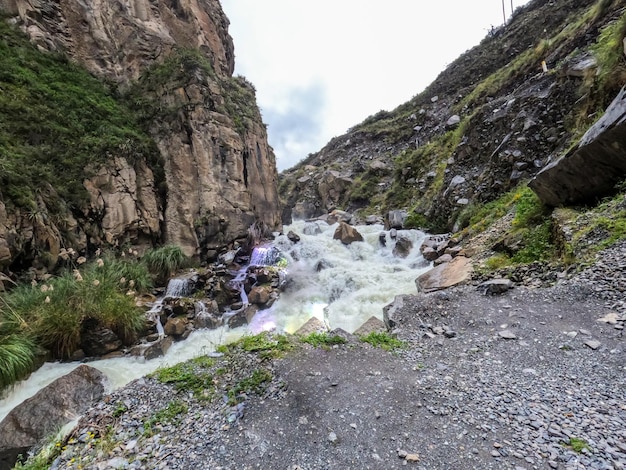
353, 283
341, 285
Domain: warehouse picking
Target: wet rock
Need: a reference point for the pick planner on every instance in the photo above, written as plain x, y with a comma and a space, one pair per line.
259, 295
347, 234
313, 228
294, 237
175, 326
402, 247
153, 349
323, 264
339, 216
236, 319
51, 408
98, 341
382, 239
430, 254
395, 219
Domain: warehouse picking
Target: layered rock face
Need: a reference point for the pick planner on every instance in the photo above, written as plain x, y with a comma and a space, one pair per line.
219, 171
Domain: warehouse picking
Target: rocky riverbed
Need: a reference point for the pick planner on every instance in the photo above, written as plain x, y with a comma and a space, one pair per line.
530, 379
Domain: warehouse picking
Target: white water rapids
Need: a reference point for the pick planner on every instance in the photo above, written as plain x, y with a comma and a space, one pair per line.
356, 282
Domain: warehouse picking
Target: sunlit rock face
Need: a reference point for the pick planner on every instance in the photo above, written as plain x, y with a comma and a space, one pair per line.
219, 173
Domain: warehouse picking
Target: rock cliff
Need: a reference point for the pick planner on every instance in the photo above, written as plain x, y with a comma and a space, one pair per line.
210, 172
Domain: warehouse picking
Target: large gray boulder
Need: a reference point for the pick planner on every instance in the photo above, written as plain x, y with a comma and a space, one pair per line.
46, 412
591, 169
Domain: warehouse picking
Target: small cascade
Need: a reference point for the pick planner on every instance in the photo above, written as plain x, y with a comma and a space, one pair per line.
264, 255
176, 288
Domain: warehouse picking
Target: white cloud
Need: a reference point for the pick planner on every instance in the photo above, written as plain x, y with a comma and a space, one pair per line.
322, 66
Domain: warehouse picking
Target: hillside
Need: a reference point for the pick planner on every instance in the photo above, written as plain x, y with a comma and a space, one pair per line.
467, 145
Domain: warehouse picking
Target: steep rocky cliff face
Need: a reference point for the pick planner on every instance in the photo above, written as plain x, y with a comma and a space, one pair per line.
489, 122
210, 173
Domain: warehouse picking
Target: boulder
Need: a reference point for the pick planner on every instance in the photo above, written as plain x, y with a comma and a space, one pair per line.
313, 325
395, 219
97, 341
443, 259
390, 311
372, 325
347, 234
236, 319
402, 247
593, 168
259, 295
430, 254
445, 275
47, 411
313, 228
175, 326
153, 349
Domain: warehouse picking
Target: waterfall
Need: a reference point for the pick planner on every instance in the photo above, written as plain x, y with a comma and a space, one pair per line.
176, 287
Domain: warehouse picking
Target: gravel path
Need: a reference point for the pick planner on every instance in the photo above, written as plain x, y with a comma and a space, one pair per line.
526, 380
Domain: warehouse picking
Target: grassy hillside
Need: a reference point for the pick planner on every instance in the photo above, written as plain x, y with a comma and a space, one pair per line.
57, 124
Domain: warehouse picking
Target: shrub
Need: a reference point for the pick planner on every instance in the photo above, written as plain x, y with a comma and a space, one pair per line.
163, 262
57, 310
16, 347
383, 340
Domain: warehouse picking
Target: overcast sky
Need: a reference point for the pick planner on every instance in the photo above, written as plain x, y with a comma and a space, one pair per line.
323, 66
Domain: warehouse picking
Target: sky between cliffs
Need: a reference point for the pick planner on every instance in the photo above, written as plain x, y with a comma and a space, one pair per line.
323, 66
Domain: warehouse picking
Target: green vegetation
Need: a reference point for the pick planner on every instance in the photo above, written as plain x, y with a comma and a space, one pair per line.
164, 261
240, 103
191, 376
577, 444
52, 314
16, 346
255, 383
268, 345
58, 124
383, 340
171, 414
323, 340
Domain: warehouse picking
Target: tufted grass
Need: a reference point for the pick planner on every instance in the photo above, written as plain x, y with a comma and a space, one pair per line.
163, 262
16, 347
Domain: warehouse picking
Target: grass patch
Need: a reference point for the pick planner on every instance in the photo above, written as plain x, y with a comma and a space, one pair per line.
171, 414
164, 261
191, 376
17, 356
267, 345
57, 310
255, 383
577, 444
323, 340
383, 340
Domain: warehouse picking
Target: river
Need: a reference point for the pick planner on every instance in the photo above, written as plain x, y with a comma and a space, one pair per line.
340, 285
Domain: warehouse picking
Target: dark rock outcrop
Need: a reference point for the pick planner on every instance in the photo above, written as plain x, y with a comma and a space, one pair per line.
52, 407
592, 169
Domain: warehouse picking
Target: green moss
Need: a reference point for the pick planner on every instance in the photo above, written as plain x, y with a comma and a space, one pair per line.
192, 376
383, 340
267, 345
577, 444
58, 124
323, 340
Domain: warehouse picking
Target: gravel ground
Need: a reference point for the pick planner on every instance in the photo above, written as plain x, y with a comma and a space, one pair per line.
529, 379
